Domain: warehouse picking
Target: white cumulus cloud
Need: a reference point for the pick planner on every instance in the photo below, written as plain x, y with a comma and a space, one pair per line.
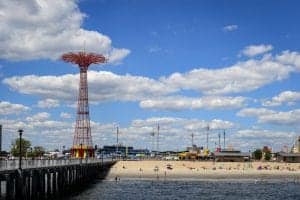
231, 27
267, 116
253, 50
65, 115
48, 103
7, 108
39, 117
288, 97
241, 77
290, 58
103, 86
46, 29
181, 103
266, 134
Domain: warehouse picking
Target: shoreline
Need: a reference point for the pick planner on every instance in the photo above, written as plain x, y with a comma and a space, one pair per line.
198, 170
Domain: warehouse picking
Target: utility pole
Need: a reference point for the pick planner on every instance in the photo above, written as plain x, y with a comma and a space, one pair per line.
20, 148
152, 141
157, 139
207, 130
219, 135
224, 138
117, 146
192, 139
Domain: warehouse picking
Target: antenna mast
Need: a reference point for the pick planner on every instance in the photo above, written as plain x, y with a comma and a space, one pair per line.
192, 139
207, 130
219, 135
117, 147
224, 138
157, 139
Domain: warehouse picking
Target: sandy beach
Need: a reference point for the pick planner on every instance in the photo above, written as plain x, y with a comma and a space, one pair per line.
203, 170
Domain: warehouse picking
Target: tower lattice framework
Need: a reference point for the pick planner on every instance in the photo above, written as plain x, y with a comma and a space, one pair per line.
82, 141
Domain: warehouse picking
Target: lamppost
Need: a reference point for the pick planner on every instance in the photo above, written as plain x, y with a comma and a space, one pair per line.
20, 150
80, 153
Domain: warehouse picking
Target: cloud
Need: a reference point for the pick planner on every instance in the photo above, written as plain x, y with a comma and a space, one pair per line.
181, 103
39, 117
231, 27
184, 123
39, 129
253, 112
289, 97
155, 49
241, 77
272, 117
7, 108
106, 86
46, 29
257, 138
65, 115
103, 86
254, 50
266, 134
175, 133
42, 130
290, 58
48, 103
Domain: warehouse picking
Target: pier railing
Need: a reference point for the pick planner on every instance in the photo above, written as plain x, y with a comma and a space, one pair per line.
37, 163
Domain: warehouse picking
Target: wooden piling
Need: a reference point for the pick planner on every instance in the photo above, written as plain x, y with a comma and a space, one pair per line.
49, 182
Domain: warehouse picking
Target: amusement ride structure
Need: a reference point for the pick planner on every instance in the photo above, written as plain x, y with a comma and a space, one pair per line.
82, 141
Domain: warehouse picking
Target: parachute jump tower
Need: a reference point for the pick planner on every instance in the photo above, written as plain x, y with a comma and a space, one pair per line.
82, 141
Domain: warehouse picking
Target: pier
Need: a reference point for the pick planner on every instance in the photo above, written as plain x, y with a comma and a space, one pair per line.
49, 179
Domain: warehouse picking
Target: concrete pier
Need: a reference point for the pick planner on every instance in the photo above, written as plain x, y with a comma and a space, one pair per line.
52, 182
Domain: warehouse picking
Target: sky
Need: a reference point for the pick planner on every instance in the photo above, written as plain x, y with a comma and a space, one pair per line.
182, 64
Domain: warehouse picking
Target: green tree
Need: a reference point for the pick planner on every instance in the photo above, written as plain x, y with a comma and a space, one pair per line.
16, 147
267, 155
257, 154
38, 151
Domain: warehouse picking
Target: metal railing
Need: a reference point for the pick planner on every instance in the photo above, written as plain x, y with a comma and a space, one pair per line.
14, 164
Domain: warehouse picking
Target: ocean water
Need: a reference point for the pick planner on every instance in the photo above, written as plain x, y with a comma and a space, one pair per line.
192, 189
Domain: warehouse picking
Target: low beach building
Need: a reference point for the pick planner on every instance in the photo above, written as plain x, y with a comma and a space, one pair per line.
288, 157
232, 156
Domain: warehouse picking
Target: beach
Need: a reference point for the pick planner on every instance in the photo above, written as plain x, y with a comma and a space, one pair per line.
154, 169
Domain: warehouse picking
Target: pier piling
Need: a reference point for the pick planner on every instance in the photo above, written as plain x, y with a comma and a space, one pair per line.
49, 182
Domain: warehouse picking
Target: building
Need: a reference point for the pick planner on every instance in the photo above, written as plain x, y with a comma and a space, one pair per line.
195, 153
122, 150
296, 146
231, 156
288, 157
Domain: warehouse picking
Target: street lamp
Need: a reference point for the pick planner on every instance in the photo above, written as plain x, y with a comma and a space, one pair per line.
20, 150
80, 153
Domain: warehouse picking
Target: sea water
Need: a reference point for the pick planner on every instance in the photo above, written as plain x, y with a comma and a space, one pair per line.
193, 189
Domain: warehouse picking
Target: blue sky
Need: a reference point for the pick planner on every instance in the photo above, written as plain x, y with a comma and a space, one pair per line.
183, 64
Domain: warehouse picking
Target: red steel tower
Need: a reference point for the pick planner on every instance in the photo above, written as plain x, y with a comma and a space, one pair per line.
82, 142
